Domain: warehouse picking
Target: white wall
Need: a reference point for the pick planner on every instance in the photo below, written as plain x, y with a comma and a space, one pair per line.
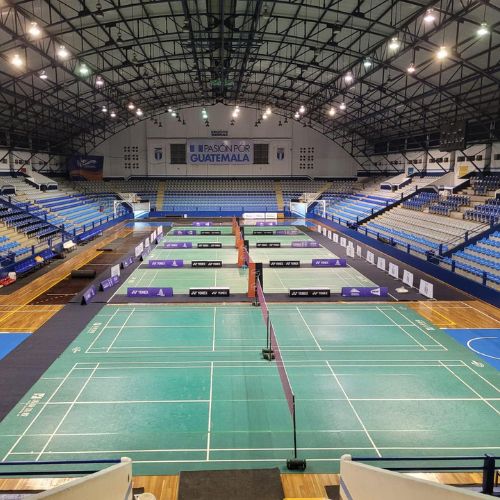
481, 154
443, 166
16, 160
495, 157
420, 157
324, 156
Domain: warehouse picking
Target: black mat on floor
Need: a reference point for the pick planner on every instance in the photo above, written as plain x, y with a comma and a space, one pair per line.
20, 369
333, 492
261, 484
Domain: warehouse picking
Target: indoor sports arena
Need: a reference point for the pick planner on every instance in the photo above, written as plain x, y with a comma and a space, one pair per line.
249, 249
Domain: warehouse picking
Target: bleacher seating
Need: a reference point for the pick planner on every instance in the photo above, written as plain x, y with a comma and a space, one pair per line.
426, 233
183, 195
486, 184
489, 213
421, 200
450, 203
479, 258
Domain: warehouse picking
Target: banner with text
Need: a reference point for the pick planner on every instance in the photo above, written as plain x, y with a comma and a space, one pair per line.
219, 152
85, 167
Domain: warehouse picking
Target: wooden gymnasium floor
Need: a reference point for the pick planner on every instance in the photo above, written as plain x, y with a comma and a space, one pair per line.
16, 314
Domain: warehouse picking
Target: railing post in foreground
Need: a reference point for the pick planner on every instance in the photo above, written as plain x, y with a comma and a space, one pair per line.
488, 475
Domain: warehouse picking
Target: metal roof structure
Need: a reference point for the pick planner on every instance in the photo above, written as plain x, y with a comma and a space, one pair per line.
402, 68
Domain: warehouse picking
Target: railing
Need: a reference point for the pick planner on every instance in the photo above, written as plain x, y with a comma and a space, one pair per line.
32, 468
488, 466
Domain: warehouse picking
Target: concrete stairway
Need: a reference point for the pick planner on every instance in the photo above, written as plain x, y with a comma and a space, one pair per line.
160, 195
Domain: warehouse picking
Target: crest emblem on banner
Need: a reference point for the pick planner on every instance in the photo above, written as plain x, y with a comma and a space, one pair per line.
280, 153
158, 154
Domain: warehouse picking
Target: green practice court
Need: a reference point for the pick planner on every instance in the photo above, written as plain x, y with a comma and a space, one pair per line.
179, 388
276, 280
226, 255
182, 279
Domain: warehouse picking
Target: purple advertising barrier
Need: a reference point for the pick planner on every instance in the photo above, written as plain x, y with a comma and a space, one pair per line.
329, 263
109, 282
264, 223
305, 244
88, 295
179, 244
201, 224
184, 232
150, 292
166, 263
286, 232
127, 262
365, 291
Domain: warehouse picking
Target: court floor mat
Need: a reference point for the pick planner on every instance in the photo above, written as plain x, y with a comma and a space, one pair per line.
185, 388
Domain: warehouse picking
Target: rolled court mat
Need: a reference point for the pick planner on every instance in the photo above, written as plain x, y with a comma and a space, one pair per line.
83, 274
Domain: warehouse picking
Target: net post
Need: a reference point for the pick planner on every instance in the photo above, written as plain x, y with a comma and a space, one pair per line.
295, 463
268, 352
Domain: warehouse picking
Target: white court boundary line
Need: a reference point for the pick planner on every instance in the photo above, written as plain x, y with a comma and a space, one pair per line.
438, 363
354, 410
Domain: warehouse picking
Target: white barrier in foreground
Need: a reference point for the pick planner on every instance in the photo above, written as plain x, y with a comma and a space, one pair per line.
363, 482
113, 483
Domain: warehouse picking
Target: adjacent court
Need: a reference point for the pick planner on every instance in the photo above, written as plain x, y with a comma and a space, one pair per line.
276, 280
181, 387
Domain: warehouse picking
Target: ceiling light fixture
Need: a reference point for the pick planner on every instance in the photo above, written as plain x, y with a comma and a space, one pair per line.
17, 61
62, 52
173, 114
43, 75
442, 53
98, 9
331, 111
394, 44
411, 68
34, 30
268, 110
265, 12
112, 114
296, 116
139, 112
84, 69
430, 16
367, 63
104, 109
342, 106
131, 106
99, 82
302, 109
483, 29
349, 78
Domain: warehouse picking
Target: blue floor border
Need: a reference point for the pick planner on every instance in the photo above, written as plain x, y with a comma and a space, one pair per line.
9, 341
485, 342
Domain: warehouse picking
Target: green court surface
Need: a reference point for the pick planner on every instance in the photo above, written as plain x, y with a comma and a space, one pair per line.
179, 387
226, 255
276, 280
182, 279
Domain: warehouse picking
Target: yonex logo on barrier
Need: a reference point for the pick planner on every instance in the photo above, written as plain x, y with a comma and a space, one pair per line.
367, 291
150, 292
